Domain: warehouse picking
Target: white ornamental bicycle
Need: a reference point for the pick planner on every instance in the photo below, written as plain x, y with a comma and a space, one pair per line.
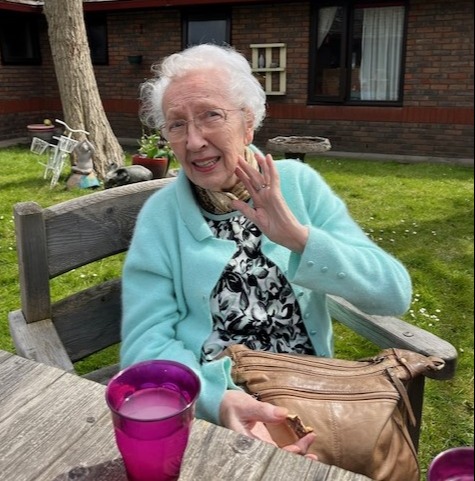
58, 153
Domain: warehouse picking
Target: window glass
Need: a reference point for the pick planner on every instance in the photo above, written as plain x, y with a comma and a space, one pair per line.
96, 28
207, 28
358, 53
329, 55
19, 39
376, 58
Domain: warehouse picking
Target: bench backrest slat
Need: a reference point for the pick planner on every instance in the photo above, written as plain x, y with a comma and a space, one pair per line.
89, 228
69, 235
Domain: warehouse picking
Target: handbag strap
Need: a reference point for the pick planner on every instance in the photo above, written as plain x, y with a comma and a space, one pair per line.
408, 364
404, 396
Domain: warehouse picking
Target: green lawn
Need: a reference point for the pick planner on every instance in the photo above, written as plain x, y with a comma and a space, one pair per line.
421, 213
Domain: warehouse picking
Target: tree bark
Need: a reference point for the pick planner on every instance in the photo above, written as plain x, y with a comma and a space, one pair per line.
82, 105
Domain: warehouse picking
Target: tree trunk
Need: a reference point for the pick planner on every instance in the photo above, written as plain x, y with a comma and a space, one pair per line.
82, 105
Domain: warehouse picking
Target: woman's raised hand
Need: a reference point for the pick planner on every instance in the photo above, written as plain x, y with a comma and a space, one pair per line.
269, 211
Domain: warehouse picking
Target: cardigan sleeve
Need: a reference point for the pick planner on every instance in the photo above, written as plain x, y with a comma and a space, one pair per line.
339, 258
148, 332
155, 321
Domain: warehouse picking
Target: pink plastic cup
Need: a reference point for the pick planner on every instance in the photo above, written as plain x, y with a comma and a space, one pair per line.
152, 405
452, 465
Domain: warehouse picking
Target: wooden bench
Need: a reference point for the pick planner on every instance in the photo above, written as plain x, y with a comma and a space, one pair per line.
56, 240
63, 237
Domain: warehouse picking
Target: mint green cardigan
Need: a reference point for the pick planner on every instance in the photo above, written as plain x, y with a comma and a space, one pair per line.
174, 262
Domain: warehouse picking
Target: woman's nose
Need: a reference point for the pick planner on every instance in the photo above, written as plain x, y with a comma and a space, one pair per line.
194, 138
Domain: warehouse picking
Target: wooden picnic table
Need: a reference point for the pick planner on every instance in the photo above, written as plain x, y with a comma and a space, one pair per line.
56, 426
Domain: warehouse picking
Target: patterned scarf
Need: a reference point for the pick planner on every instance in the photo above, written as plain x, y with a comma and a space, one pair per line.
220, 202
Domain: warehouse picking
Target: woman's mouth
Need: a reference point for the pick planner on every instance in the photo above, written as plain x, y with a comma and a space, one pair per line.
205, 165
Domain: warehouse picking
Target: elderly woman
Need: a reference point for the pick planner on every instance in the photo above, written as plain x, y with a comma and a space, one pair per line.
240, 249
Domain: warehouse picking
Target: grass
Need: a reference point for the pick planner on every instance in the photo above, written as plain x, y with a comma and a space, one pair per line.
421, 213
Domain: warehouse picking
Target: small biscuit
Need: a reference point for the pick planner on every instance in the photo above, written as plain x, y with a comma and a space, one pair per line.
297, 426
288, 432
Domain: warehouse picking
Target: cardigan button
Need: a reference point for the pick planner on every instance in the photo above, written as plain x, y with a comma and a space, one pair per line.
341, 275
310, 263
324, 269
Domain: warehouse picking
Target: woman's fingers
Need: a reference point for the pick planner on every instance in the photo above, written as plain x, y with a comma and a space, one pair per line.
268, 170
302, 446
260, 432
256, 180
244, 414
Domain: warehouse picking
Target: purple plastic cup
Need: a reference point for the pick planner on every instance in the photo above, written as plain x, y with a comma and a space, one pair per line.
455, 464
153, 405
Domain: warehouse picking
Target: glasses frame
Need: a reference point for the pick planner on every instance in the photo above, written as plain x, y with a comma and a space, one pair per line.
166, 132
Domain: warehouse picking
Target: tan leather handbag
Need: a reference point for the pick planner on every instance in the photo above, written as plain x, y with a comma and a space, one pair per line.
357, 409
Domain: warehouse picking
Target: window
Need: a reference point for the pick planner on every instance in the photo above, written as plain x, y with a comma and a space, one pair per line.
357, 53
201, 27
96, 28
19, 39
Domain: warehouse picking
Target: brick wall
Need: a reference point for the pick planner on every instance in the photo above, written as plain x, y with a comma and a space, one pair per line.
439, 59
436, 119
152, 35
28, 94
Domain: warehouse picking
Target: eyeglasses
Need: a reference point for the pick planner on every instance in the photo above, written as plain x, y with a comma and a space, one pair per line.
206, 122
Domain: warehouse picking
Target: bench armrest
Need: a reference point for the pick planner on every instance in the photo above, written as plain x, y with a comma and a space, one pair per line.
387, 331
38, 341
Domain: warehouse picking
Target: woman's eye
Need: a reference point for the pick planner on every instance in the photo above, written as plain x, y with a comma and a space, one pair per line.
176, 125
211, 115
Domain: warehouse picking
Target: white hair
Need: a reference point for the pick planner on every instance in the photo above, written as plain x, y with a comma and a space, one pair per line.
244, 89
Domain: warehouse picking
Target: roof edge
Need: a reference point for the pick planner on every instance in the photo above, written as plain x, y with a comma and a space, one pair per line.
111, 5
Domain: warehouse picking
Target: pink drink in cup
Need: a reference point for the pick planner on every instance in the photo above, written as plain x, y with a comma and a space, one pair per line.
152, 405
452, 465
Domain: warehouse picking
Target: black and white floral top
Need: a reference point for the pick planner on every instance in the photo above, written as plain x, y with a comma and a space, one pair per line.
253, 303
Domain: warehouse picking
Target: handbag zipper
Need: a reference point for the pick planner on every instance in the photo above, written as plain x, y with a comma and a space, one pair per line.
295, 360
312, 370
337, 396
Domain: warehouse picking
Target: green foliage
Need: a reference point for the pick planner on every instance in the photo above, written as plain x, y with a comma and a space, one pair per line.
154, 146
421, 213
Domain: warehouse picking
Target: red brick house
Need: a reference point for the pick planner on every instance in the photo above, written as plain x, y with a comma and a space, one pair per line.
386, 77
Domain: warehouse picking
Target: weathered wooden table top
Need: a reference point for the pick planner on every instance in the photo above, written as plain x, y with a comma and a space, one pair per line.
56, 426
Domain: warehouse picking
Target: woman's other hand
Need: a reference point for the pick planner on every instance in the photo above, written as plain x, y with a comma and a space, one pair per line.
246, 415
270, 213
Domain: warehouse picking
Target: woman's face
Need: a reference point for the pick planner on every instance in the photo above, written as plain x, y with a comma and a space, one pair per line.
207, 155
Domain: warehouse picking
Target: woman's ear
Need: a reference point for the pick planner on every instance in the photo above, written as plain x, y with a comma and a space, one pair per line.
249, 137
248, 126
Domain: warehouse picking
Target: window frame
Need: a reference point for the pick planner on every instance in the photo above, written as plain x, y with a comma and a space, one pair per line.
344, 95
201, 15
29, 22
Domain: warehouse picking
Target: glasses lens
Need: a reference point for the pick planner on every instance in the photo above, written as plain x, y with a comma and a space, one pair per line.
174, 129
210, 119
206, 121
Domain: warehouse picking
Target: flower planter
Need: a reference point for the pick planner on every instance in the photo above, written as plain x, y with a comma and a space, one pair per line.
44, 132
158, 167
